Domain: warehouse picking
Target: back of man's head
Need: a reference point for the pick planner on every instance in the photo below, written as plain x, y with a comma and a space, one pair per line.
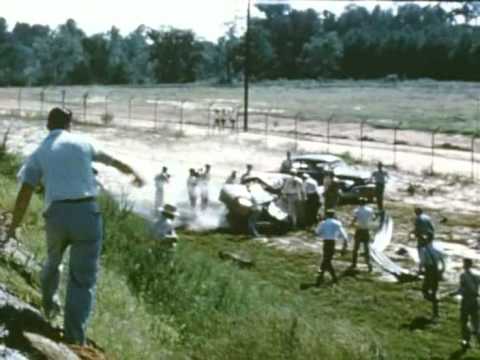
330, 213
59, 119
467, 263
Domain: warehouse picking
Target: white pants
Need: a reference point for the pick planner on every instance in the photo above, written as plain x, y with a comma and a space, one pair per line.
159, 198
292, 208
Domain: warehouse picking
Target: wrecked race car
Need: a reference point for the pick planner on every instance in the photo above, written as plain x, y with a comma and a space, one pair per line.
264, 190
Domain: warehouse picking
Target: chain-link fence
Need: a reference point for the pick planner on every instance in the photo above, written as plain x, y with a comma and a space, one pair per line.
148, 109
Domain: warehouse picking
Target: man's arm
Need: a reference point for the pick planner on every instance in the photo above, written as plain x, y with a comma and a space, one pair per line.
21, 205
119, 165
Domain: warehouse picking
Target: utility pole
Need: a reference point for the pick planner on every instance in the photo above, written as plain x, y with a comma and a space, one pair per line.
246, 71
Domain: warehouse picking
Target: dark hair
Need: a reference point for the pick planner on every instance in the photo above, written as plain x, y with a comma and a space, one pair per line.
468, 263
59, 118
418, 210
330, 213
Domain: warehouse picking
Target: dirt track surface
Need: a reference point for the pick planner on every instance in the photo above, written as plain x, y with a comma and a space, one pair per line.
147, 151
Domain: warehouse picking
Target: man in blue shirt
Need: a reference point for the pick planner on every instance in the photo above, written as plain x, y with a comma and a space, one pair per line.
63, 164
329, 231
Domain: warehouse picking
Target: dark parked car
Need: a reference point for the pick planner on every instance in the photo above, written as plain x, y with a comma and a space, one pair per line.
315, 165
354, 184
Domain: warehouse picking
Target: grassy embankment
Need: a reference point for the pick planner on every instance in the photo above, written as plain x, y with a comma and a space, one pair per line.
197, 306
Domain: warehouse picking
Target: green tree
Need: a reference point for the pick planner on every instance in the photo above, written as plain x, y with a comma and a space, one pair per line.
322, 55
176, 55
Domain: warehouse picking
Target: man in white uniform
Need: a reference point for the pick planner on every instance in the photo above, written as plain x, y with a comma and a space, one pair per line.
204, 183
160, 181
362, 219
192, 187
292, 192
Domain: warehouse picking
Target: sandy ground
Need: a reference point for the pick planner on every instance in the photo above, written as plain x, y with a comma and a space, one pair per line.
147, 151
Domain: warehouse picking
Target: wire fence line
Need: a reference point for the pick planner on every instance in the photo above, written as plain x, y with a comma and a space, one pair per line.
143, 108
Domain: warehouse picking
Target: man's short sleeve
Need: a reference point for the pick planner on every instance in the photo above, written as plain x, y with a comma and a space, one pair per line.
32, 172
99, 155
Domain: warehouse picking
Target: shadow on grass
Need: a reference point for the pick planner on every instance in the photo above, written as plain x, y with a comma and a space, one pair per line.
418, 323
459, 354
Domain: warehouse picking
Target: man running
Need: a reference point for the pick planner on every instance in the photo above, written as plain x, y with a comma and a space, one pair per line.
432, 261
469, 285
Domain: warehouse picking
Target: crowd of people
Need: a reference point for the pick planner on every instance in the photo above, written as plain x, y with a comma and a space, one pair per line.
62, 163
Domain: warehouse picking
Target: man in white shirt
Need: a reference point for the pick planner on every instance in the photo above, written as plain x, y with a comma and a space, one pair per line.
192, 187
247, 174
362, 219
292, 192
160, 181
232, 178
63, 163
204, 183
310, 188
380, 178
329, 231
286, 164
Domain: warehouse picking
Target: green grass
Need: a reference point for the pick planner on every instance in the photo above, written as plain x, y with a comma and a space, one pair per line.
155, 304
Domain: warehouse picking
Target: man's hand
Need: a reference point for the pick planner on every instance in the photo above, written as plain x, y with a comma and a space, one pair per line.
138, 181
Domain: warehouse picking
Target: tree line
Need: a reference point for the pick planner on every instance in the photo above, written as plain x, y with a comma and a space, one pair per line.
413, 42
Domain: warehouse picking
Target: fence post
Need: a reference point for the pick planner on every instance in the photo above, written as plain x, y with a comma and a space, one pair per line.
42, 100
266, 125
85, 100
64, 94
329, 120
297, 117
237, 129
19, 101
362, 124
434, 132
107, 96
181, 113
155, 112
130, 101
395, 142
473, 156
